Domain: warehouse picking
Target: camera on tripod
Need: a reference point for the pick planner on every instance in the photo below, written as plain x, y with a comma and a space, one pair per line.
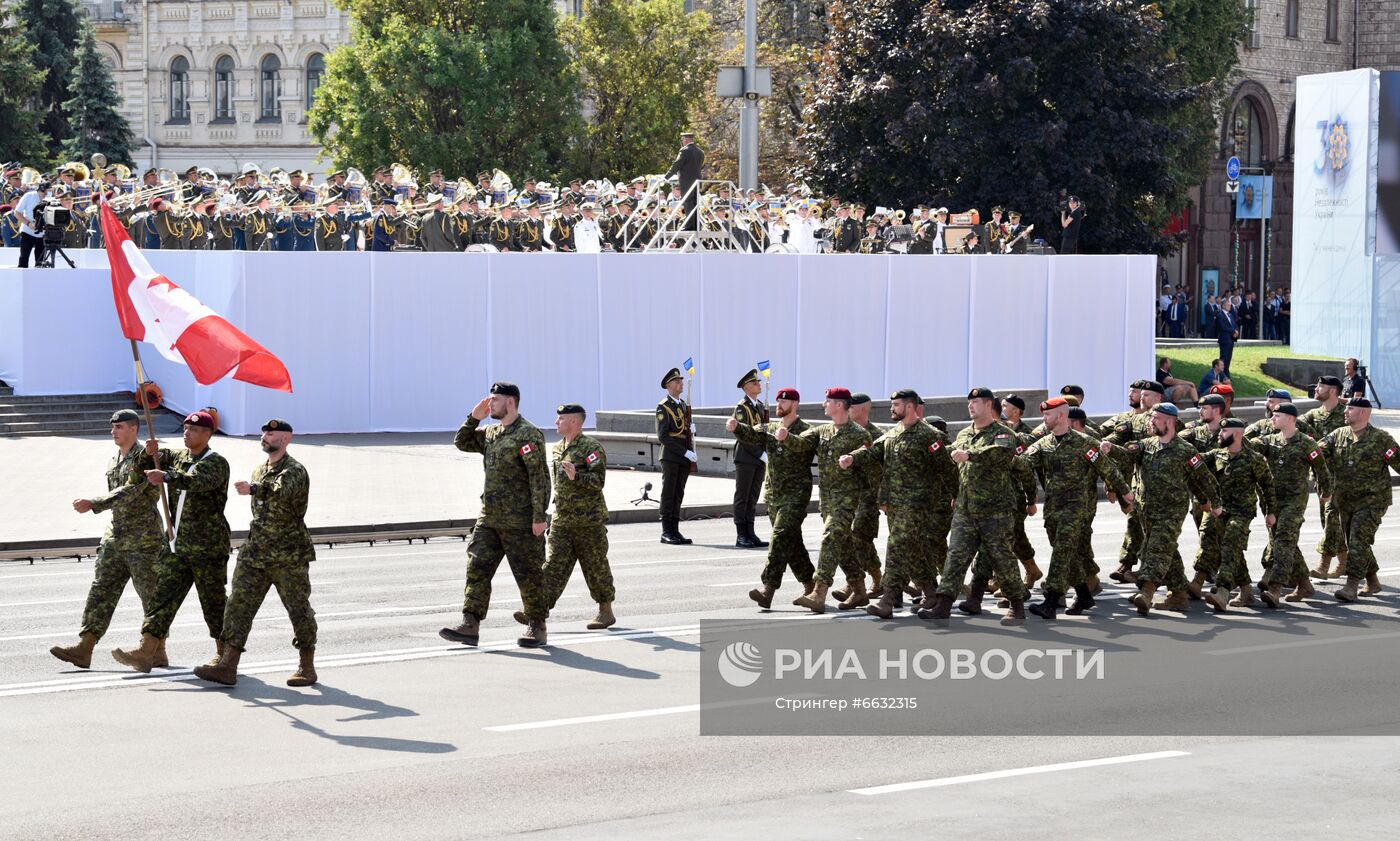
55, 221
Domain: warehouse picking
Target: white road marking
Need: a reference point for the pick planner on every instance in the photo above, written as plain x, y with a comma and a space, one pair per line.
1251, 649
1016, 772
590, 719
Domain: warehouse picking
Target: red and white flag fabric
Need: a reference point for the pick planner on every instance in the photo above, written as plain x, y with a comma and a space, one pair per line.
153, 309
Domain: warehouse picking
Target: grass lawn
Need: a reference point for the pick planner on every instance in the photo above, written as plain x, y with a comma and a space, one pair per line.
1190, 363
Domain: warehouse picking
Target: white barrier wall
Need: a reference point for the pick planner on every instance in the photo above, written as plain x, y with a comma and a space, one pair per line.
410, 341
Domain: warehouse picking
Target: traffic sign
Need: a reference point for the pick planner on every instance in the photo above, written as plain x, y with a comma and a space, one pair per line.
1232, 168
1232, 186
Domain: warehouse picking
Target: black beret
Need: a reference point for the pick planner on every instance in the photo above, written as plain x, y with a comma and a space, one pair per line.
570, 409
1212, 400
506, 389
1286, 409
125, 416
1335, 382
1077, 414
1153, 385
859, 398
907, 394
1015, 400
1138, 384
937, 422
1232, 423
1359, 403
276, 425
982, 393
1072, 389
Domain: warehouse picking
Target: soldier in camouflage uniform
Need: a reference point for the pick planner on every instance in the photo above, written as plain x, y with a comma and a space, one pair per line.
1273, 398
1069, 464
1319, 422
1132, 537
1245, 484
1291, 454
1170, 472
919, 481
984, 519
1137, 427
512, 522
1010, 409
579, 529
132, 544
278, 553
840, 496
1204, 434
788, 493
866, 525
198, 479
1361, 457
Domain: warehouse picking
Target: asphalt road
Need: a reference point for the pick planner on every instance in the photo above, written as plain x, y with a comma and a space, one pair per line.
597, 736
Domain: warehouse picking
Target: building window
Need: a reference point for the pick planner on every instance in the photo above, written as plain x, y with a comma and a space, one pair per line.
223, 89
315, 71
1247, 130
1334, 23
1254, 40
1290, 19
270, 89
180, 90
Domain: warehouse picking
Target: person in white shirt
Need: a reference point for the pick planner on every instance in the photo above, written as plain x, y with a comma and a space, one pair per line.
587, 238
803, 235
940, 218
29, 235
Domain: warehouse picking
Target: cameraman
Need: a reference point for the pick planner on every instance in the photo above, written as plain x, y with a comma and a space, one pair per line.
1071, 220
27, 212
1353, 382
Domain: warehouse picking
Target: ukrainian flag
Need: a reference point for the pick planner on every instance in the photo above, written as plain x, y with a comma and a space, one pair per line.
765, 368
689, 366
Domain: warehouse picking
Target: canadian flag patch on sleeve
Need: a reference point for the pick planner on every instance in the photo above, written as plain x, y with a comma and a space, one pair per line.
1092, 455
1020, 449
1195, 461
935, 446
1390, 454
527, 449
1312, 456
593, 457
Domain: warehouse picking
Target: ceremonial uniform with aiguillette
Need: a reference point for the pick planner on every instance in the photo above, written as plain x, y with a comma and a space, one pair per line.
750, 465
677, 455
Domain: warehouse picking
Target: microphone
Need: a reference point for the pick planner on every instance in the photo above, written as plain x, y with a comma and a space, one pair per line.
645, 497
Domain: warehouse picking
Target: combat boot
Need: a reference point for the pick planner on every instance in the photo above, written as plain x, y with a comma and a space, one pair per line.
912, 591
1323, 565
225, 671
815, 601
940, 612
218, 653
1083, 600
1017, 614
807, 587
1272, 596
1304, 590
764, 597
1095, 586
141, 659
972, 605
1142, 599
1218, 599
1245, 598
1176, 600
162, 661
79, 655
1046, 609
930, 595
1124, 574
1347, 592
875, 578
858, 596
519, 616
1373, 585
604, 619
758, 542
305, 675
844, 593
1033, 573
467, 633
1194, 587
884, 608
534, 636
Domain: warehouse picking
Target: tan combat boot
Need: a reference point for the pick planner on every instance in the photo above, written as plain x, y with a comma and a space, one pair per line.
1194, 587
79, 655
162, 661
1017, 614
1219, 599
884, 608
141, 659
1245, 598
807, 587
972, 605
1304, 590
535, 635
1176, 600
1123, 575
939, 612
1321, 570
218, 653
519, 616
1347, 592
604, 619
1373, 585
858, 597
225, 671
875, 578
1033, 573
1142, 599
305, 675
814, 601
764, 597
1273, 596
467, 633
844, 593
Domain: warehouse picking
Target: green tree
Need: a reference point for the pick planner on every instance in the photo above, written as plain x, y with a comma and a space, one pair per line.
55, 28
643, 64
456, 85
95, 122
20, 137
971, 102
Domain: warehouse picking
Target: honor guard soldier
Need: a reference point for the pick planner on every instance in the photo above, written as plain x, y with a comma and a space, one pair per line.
750, 462
673, 429
994, 238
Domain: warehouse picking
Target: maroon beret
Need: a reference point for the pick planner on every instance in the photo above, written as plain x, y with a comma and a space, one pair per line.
202, 419
789, 394
838, 394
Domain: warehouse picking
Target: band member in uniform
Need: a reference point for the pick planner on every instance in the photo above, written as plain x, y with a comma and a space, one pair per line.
384, 224
677, 454
259, 226
750, 462
168, 227
221, 224
845, 238
995, 236
530, 233
561, 228
196, 227
334, 228
1017, 235
873, 242
465, 221
501, 230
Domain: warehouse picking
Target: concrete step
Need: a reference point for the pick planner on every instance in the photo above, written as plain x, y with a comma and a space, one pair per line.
125, 398
101, 415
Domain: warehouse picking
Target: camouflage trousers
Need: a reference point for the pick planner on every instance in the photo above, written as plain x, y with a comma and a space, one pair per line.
1282, 557
588, 546
786, 550
838, 545
917, 547
249, 588
525, 554
1208, 528
1161, 561
1071, 548
1232, 536
988, 537
1020, 543
1358, 527
174, 575
1132, 540
114, 567
1333, 541
865, 527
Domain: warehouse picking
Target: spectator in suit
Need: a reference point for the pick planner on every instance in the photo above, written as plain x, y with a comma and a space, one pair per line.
1285, 319
1176, 317
1227, 332
1249, 317
1208, 317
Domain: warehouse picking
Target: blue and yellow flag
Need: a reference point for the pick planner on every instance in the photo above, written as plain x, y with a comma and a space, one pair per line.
689, 366
765, 368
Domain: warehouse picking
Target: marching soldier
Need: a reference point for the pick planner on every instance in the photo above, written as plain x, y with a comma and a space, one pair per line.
1291, 455
865, 526
673, 429
1319, 422
277, 554
750, 462
1265, 426
1363, 457
1245, 483
198, 480
789, 492
512, 522
133, 543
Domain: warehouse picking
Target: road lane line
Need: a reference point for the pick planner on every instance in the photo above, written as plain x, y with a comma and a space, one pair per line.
1278, 646
591, 719
1016, 772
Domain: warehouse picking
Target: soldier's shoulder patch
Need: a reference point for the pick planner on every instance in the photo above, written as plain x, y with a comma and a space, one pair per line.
1313, 456
1124, 427
527, 448
1092, 454
593, 457
1134, 447
1020, 449
935, 446
1389, 453
1196, 461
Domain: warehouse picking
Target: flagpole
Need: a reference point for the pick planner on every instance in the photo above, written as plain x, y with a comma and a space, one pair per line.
151, 433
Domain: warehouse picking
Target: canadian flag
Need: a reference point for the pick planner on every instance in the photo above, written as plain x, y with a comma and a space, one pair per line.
153, 309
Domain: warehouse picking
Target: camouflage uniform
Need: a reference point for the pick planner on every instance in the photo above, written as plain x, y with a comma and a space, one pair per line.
1259, 429
1025, 482
1208, 553
1069, 466
788, 493
840, 495
1361, 492
278, 553
1168, 476
133, 543
579, 528
919, 479
198, 494
866, 525
516, 496
1319, 423
1245, 483
984, 519
1290, 460
1135, 426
